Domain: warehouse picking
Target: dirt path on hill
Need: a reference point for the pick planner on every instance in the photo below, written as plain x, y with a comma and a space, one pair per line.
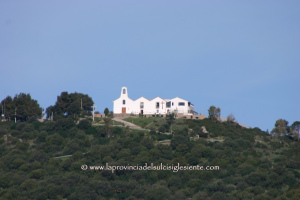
129, 124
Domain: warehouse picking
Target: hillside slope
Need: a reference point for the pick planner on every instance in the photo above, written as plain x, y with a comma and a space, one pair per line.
245, 163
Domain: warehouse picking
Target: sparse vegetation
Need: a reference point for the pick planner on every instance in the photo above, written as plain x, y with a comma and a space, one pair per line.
141, 121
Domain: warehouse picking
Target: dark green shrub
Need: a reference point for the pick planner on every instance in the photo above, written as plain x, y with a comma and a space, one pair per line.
84, 124
49, 125
64, 124
3, 132
162, 129
20, 126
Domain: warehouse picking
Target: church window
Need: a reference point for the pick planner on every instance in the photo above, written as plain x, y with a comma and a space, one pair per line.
168, 104
124, 91
181, 104
157, 104
142, 105
124, 102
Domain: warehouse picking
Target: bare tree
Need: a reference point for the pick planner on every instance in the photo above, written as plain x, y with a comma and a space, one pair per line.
214, 113
230, 118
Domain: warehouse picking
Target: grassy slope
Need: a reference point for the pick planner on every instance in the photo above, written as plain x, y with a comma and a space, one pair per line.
141, 121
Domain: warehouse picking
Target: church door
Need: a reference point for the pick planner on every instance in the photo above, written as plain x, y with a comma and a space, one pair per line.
123, 110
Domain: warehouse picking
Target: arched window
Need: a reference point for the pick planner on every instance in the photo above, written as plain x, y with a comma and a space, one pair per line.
124, 91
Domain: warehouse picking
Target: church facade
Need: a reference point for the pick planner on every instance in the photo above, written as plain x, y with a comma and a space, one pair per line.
143, 106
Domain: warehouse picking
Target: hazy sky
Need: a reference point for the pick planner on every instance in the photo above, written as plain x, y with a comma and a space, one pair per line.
241, 56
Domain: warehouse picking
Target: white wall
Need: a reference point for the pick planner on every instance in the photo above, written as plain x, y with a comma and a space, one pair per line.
118, 103
181, 109
149, 105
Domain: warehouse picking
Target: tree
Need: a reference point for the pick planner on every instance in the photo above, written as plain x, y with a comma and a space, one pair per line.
73, 104
26, 107
7, 108
108, 127
157, 191
214, 113
218, 113
230, 118
147, 142
281, 128
63, 124
179, 139
106, 112
295, 130
218, 196
170, 120
22, 105
84, 124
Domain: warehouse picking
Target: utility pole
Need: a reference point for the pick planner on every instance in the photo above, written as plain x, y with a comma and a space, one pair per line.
93, 107
2, 114
15, 115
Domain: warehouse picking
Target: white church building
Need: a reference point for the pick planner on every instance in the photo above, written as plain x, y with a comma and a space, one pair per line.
143, 106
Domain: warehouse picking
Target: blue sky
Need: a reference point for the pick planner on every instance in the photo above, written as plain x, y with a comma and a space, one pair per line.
241, 56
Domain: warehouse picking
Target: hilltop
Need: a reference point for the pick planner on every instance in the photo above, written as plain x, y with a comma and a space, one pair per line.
247, 163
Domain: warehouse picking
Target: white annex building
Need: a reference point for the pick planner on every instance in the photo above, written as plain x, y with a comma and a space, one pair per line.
125, 105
